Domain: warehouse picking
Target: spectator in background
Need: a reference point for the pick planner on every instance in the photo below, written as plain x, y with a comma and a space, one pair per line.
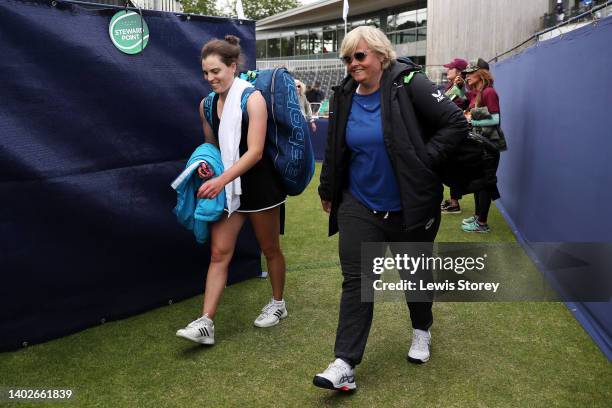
482, 98
455, 91
559, 11
305, 105
315, 94
471, 94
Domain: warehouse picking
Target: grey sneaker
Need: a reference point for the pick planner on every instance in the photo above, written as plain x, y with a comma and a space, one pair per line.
201, 331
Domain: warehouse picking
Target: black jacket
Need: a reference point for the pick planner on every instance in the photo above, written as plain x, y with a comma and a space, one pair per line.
417, 140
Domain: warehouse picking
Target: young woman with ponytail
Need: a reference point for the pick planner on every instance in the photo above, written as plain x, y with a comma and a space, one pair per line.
253, 191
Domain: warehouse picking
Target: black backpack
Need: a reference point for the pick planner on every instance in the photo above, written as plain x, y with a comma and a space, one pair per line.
472, 166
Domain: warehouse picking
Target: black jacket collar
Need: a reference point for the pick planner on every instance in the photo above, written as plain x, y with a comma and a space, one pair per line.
349, 85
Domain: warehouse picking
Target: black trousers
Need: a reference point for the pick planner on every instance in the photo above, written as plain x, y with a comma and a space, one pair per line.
454, 194
358, 224
482, 204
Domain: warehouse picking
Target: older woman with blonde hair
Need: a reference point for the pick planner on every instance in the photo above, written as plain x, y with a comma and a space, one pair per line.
378, 181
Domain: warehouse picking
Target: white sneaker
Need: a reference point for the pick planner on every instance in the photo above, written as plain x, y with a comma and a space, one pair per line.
419, 350
338, 376
271, 314
201, 331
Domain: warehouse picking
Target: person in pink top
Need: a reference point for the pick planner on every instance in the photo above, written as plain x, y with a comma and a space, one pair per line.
482, 95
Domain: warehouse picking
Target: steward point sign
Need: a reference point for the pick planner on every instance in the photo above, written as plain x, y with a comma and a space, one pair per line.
127, 31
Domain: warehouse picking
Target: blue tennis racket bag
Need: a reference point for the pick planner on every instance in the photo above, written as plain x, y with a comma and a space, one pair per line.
288, 141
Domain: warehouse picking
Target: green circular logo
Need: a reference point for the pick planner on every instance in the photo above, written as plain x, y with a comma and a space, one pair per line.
128, 32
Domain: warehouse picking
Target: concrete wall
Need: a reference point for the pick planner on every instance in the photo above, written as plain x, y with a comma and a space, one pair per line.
478, 28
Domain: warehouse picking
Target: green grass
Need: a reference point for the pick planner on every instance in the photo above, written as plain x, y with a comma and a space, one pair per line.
484, 354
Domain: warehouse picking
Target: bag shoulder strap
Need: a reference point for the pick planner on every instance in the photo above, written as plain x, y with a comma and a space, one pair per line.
208, 107
245, 96
408, 78
406, 97
210, 98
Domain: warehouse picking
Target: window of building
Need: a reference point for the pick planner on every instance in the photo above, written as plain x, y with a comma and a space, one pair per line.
315, 42
402, 28
340, 36
407, 26
329, 40
405, 20
273, 48
301, 44
406, 36
260, 48
374, 22
422, 34
418, 60
355, 23
287, 47
422, 17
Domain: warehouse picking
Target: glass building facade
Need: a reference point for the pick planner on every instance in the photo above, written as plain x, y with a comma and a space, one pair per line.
402, 27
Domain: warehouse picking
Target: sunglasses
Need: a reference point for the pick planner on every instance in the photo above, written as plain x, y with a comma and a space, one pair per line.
359, 56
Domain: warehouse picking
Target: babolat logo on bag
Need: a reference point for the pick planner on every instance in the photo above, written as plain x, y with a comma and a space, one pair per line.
288, 136
296, 139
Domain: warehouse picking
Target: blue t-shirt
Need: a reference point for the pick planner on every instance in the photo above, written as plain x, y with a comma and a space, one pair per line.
371, 177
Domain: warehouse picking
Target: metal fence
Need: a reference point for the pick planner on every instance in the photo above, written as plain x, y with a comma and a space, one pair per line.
302, 64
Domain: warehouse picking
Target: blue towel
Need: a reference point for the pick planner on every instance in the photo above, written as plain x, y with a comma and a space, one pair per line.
192, 212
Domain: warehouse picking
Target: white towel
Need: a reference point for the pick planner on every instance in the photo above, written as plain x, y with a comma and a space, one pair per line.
230, 132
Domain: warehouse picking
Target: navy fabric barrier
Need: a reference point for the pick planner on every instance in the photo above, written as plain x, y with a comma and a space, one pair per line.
556, 177
319, 139
90, 140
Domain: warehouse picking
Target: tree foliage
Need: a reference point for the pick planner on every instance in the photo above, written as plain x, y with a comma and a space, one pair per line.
258, 9
253, 9
202, 7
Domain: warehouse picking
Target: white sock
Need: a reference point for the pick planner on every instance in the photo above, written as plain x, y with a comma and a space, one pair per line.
278, 302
